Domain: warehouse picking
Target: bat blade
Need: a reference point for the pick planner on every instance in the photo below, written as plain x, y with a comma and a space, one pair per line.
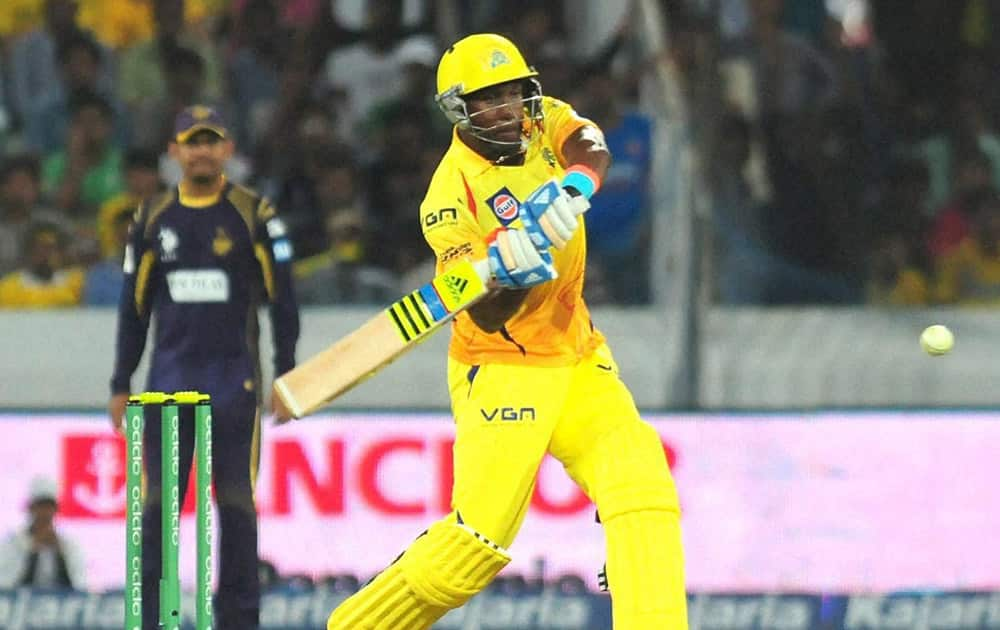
382, 339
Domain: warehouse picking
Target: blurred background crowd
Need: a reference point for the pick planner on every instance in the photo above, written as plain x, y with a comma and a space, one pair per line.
847, 158
853, 154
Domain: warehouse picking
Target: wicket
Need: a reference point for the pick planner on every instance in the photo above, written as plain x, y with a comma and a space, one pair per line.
170, 589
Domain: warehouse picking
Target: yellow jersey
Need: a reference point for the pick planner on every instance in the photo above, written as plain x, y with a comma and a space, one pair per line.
468, 198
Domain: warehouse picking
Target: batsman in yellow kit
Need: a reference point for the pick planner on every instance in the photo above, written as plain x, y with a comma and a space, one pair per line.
528, 372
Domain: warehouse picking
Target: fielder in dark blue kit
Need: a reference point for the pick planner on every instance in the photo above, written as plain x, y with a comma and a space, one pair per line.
201, 259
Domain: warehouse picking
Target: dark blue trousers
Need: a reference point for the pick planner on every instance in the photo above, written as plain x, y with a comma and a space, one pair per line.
237, 600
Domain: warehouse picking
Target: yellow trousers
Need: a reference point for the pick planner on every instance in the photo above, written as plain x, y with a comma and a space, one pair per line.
507, 418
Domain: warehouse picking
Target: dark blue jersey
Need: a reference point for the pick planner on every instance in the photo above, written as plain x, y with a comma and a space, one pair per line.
200, 270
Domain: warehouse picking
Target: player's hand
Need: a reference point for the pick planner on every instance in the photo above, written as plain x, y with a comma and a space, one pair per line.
515, 262
116, 411
549, 215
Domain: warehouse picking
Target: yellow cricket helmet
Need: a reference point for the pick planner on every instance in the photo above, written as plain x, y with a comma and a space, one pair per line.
480, 61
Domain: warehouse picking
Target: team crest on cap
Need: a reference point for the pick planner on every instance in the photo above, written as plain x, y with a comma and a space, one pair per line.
200, 112
498, 58
505, 206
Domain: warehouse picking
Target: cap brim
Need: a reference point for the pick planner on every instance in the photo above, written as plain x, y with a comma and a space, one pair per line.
186, 135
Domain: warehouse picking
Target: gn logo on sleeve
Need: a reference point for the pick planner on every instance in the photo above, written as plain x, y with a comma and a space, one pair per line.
440, 218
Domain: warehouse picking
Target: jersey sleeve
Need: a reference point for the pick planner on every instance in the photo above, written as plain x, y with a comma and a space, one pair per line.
561, 120
274, 254
449, 224
133, 305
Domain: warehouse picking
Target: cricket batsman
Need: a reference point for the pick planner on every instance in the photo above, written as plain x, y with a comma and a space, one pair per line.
528, 371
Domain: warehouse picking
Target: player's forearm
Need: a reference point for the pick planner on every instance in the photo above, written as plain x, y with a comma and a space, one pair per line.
129, 352
285, 329
495, 309
586, 146
131, 341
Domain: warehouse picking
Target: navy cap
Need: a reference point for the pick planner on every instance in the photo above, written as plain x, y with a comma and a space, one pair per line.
198, 118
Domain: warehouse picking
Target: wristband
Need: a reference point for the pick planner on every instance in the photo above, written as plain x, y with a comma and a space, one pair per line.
583, 179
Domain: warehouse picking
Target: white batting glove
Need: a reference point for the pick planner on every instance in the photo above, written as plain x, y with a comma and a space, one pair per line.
516, 262
549, 215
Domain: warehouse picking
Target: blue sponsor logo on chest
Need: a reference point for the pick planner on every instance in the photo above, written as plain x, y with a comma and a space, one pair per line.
505, 206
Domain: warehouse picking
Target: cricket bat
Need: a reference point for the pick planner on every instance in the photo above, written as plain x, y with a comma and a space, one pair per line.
382, 339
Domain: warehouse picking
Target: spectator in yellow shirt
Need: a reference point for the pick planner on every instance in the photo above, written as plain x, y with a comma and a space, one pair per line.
21, 207
122, 23
44, 281
142, 181
104, 280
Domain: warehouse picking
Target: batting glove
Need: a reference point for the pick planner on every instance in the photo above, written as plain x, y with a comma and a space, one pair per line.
515, 262
549, 215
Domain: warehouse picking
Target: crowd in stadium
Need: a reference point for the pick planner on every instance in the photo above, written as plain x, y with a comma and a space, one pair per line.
853, 153
336, 125
846, 160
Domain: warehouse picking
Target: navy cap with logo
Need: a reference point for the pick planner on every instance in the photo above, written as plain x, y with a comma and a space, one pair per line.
198, 118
